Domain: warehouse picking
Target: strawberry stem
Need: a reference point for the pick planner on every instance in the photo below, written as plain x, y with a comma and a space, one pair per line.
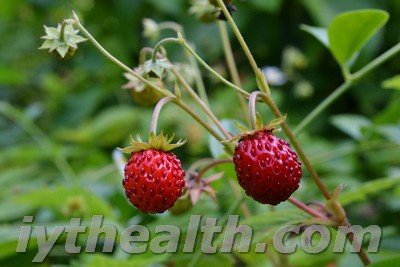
156, 113
252, 109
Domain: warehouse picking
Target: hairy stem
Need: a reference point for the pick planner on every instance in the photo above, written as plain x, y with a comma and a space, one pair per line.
337, 207
203, 105
164, 92
156, 113
212, 71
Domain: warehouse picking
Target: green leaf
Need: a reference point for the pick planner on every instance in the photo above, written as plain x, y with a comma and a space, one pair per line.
363, 191
392, 83
351, 124
350, 31
321, 34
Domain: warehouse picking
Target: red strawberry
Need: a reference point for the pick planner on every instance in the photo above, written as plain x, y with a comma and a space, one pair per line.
154, 178
266, 167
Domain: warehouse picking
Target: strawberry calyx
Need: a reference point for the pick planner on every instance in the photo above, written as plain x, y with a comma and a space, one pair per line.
158, 142
272, 126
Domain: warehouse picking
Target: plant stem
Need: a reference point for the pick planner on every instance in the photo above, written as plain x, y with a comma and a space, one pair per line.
203, 105
322, 106
252, 109
264, 87
192, 61
351, 80
262, 82
376, 63
164, 92
156, 113
306, 208
161, 43
230, 61
212, 71
170, 25
274, 108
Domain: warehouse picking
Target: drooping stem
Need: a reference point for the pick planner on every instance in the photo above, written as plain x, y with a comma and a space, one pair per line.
252, 109
192, 61
203, 105
164, 92
230, 61
156, 113
158, 46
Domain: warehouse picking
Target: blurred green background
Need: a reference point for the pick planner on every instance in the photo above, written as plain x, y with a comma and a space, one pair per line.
60, 121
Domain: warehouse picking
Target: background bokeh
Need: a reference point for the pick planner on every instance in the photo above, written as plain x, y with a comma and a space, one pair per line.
60, 120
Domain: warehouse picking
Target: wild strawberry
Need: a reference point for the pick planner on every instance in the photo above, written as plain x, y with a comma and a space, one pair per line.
154, 178
266, 167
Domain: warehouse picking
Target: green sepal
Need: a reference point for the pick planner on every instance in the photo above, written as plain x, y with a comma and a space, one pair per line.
159, 142
155, 68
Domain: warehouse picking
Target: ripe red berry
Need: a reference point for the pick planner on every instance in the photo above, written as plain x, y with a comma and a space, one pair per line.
154, 180
266, 167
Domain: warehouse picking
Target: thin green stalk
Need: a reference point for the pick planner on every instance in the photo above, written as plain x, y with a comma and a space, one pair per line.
376, 63
212, 71
197, 118
192, 61
161, 43
117, 62
264, 87
205, 108
262, 82
322, 106
230, 61
351, 80
164, 92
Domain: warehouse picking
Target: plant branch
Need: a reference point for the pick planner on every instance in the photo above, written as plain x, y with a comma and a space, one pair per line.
201, 103
158, 46
351, 80
212, 71
261, 80
164, 92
